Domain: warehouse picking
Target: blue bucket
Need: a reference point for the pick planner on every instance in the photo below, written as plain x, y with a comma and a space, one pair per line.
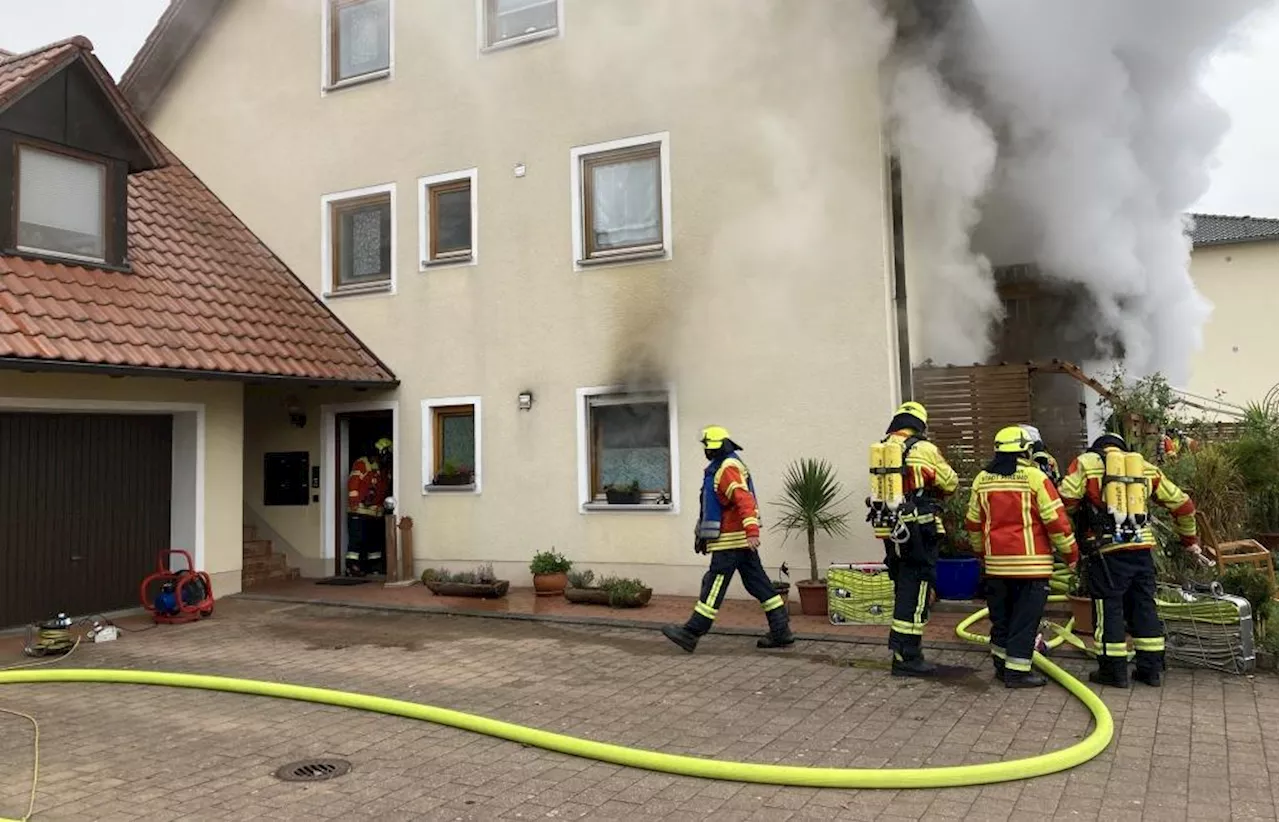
958, 578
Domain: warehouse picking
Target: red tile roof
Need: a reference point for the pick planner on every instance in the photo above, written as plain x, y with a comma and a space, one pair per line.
204, 294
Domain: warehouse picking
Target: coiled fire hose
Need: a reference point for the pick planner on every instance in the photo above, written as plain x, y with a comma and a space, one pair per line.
950, 776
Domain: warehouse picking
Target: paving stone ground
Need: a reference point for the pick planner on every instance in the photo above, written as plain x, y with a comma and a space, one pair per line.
1203, 747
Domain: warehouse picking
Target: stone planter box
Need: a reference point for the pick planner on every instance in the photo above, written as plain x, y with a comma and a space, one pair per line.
598, 596
487, 590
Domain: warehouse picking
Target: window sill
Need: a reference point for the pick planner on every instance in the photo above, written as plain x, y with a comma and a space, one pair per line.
67, 259
449, 489
371, 77
630, 257
357, 290
512, 42
646, 507
447, 262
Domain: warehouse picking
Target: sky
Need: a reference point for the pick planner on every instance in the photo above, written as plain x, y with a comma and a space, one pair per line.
1244, 79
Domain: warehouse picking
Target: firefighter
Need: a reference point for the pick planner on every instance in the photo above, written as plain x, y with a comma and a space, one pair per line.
913, 538
1041, 456
367, 487
1017, 522
729, 530
1107, 489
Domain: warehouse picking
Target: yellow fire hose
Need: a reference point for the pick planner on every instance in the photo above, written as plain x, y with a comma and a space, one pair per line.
950, 776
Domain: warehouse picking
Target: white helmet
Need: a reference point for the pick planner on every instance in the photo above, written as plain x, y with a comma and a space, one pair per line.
1032, 433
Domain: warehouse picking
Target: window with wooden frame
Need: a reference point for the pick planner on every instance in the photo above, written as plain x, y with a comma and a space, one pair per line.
360, 242
62, 206
359, 39
507, 22
629, 438
447, 210
454, 452
622, 203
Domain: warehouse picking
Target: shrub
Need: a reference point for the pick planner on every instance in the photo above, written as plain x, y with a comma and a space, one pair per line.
1257, 454
482, 575
621, 591
1251, 584
1213, 478
549, 562
582, 579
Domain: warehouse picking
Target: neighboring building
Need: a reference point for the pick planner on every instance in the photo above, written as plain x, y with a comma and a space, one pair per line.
137, 317
578, 231
1234, 264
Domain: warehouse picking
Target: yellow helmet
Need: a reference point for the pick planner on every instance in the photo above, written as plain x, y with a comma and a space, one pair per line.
714, 437
913, 409
1012, 440
382, 445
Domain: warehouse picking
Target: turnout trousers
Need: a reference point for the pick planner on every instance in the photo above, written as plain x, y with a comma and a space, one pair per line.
1016, 607
366, 539
1123, 587
715, 583
913, 583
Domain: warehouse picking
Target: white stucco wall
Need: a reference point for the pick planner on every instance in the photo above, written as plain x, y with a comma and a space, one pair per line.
1240, 360
770, 317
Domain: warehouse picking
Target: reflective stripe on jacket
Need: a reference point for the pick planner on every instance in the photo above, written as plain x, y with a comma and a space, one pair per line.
1018, 522
366, 488
1084, 482
739, 511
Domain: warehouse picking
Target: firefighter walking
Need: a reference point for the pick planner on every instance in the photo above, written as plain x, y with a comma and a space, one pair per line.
729, 530
1107, 489
1017, 521
912, 478
368, 485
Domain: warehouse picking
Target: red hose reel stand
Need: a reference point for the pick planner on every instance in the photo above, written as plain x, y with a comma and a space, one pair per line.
184, 596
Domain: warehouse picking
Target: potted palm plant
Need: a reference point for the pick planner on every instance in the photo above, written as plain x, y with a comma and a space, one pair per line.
810, 497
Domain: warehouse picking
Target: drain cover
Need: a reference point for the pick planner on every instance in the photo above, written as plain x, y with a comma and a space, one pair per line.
313, 770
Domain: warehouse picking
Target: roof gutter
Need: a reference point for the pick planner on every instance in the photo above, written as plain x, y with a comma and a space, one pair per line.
108, 370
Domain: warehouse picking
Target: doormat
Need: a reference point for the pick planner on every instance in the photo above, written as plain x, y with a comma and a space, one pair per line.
342, 581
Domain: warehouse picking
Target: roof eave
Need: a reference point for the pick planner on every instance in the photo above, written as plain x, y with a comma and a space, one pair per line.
35, 365
1234, 241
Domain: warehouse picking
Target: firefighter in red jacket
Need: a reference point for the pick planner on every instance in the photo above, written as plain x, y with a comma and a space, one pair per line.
1017, 521
729, 530
913, 535
367, 487
1107, 489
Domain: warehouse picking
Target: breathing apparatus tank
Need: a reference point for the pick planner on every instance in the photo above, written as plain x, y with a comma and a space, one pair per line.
886, 497
1124, 491
877, 472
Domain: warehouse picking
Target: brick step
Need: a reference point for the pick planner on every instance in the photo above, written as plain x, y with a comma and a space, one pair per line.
251, 580
257, 548
275, 562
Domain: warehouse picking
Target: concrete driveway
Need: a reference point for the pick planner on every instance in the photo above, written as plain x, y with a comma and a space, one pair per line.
1203, 747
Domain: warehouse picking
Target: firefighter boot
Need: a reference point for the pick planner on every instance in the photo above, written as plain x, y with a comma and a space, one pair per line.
1113, 672
916, 666
681, 636
780, 635
1148, 676
998, 664
1023, 679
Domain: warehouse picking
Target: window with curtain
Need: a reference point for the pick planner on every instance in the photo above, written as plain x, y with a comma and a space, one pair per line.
359, 38
454, 447
449, 220
509, 20
362, 241
622, 201
630, 444
61, 204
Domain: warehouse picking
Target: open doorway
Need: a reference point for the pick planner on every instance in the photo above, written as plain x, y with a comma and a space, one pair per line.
364, 478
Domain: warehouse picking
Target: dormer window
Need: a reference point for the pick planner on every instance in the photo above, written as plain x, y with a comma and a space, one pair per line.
61, 204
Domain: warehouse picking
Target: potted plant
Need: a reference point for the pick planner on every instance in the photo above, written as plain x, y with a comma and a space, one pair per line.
810, 496
623, 494
482, 582
453, 474
1079, 599
781, 586
959, 571
612, 591
549, 570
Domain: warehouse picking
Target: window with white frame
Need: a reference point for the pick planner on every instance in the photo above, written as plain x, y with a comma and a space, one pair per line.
628, 448
447, 218
359, 39
622, 205
451, 444
507, 22
360, 240
61, 204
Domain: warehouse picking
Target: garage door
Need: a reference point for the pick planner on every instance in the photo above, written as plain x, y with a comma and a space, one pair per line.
84, 507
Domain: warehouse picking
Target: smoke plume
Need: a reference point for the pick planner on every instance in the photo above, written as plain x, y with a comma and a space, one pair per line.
1103, 139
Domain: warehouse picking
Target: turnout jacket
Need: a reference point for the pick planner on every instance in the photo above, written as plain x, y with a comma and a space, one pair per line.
1018, 522
729, 501
1083, 485
925, 469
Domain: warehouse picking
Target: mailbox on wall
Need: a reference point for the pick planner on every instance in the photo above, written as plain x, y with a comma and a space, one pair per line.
286, 478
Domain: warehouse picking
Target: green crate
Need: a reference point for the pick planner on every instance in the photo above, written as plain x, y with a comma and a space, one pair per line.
859, 593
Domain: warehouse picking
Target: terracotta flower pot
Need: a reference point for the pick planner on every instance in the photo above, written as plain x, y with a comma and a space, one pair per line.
813, 597
1082, 610
550, 585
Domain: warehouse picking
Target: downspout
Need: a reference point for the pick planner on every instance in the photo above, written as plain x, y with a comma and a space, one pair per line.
900, 281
